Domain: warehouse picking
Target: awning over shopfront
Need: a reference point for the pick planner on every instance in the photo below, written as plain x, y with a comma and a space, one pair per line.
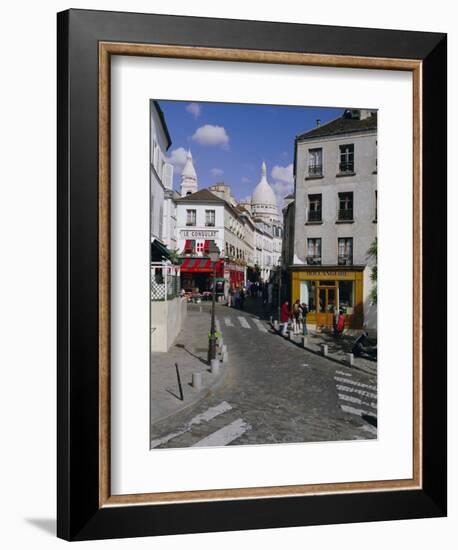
159, 252
201, 265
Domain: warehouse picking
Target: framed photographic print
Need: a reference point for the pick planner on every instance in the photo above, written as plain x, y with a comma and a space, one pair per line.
252, 275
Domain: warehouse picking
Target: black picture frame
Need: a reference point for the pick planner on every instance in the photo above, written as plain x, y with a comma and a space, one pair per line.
80, 516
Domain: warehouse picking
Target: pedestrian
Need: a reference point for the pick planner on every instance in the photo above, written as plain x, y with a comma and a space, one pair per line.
242, 298
284, 317
230, 296
340, 323
304, 311
295, 316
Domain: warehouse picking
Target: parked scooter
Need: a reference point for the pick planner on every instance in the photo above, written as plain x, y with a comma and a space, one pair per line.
362, 347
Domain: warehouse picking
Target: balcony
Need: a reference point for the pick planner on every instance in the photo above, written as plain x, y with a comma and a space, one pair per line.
345, 215
346, 168
314, 216
345, 260
316, 171
314, 260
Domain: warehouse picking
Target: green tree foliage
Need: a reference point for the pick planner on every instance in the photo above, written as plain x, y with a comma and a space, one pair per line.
372, 254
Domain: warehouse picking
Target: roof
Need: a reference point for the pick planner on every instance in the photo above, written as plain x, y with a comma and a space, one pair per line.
204, 195
341, 125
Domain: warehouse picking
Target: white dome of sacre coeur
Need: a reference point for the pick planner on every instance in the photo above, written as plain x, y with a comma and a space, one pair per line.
263, 200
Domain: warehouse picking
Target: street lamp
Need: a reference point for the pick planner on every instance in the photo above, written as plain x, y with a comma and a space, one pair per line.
213, 253
279, 264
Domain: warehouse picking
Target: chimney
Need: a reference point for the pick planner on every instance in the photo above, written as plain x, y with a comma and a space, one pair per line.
318, 122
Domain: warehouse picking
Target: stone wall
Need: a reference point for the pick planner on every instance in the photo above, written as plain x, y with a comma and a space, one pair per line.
167, 318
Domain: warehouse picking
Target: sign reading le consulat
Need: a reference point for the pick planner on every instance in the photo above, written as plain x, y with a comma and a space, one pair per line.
198, 234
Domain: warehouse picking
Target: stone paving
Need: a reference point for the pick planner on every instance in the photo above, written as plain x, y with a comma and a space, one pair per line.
189, 351
273, 391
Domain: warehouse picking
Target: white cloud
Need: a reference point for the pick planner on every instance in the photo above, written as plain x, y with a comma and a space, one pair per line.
177, 157
283, 182
211, 135
215, 172
195, 109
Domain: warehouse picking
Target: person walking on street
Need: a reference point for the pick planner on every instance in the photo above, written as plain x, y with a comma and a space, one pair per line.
304, 311
295, 313
284, 317
242, 298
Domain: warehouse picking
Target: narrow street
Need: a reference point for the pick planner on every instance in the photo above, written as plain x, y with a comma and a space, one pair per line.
273, 392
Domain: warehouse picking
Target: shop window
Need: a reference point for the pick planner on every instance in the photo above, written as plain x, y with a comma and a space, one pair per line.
346, 296
314, 251
308, 294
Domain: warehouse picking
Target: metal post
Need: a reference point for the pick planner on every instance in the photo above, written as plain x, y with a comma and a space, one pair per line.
279, 294
212, 339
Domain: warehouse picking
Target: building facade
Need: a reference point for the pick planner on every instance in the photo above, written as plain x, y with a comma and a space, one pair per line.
332, 222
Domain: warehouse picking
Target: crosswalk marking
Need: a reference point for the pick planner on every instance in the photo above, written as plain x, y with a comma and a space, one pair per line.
225, 435
358, 412
357, 391
259, 324
343, 373
359, 384
228, 322
243, 322
205, 416
356, 401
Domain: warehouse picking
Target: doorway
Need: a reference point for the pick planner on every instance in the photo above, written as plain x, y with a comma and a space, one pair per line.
326, 303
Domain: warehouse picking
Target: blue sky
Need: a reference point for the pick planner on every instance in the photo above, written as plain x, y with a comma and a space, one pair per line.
229, 141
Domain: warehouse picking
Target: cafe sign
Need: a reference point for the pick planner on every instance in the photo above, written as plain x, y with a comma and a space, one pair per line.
199, 233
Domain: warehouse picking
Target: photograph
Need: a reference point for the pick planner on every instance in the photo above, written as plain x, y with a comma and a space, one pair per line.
263, 267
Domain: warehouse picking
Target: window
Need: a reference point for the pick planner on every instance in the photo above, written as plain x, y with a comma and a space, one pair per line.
190, 217
314, 208
210, 218
347, 159
314, 251
315, 162
345, 207
345, 254
200, 246
346, 299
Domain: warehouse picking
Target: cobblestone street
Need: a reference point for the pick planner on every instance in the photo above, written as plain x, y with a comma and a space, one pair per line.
272, 392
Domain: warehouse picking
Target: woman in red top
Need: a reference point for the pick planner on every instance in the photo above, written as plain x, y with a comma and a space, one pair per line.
284, 316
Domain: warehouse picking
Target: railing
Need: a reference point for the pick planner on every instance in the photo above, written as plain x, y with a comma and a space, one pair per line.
316, 170
345, 260
314, 216
347, 167
165, 281
314, 260
345, 214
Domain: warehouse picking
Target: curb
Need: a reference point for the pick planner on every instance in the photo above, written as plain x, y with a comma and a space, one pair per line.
319, 354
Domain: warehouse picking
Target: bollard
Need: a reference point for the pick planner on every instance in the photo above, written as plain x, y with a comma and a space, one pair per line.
324, 350
197, 380
214, 366
225, 357
223, 349
351, 359
271, 318
305, 341
290, 335
220, 342
276, 324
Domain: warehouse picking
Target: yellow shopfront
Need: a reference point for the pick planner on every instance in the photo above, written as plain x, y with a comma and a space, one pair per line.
327, 291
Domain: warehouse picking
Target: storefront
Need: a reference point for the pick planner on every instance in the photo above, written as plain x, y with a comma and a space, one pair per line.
327, 291
197, 274
234, 274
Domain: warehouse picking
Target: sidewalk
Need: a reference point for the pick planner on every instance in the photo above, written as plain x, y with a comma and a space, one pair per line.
338, 348
189, 351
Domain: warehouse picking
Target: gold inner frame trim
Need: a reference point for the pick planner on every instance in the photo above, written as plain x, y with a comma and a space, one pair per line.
106, 50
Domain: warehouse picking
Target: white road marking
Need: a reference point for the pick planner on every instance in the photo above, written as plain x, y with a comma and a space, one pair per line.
225, 435
355, 390
356, 401
205, 416
369, 428
343, 373
359, 384
259, 324
243, 322
228, 322
358, 412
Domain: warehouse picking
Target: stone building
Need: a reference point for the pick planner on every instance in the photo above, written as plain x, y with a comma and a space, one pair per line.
333, 220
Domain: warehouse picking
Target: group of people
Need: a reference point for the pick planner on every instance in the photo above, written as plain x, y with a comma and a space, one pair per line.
296, 315
236, 297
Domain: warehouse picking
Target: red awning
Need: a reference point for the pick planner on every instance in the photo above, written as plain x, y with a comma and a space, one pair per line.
200, 265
